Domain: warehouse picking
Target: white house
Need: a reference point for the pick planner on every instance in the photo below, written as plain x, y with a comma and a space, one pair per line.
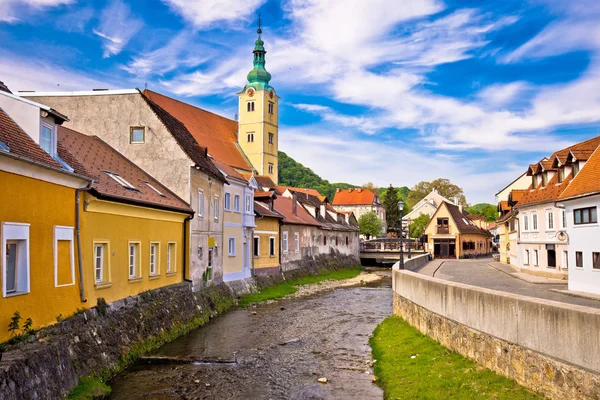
428, 205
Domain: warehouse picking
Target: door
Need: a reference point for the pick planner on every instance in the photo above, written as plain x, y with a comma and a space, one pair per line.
444, 250
551, 258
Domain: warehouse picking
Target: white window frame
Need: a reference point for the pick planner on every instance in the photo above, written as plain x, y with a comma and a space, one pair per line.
526, 256
154, 259
15, 231
534, 222
227, 201
200, 203
64, 233
236, 203
96, 259
52, 137
131, 129
120, 180
536, 258
565, 261
550, 220
216, 208
248, 204
296, 242
284, 245
256, 247
171, 257
136, 259
231, 246
525, 223
272, 244
161, 194
563, 220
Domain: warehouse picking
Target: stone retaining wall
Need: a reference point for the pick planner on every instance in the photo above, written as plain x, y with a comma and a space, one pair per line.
549, 347
103, 340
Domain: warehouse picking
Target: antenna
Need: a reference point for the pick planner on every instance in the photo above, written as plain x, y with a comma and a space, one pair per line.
259, 30
146, 85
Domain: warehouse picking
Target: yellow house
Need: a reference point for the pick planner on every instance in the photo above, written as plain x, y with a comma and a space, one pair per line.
265, 246
38, 229
134, 229
452, 234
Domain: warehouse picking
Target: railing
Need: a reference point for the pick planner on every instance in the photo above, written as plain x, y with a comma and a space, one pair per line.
390, 245
443, 229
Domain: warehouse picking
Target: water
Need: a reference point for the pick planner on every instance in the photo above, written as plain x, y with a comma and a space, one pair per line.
279, 353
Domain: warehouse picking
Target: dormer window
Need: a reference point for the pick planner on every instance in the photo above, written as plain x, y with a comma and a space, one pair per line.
561, 174
544, 179
48, 139
120, 180
575, 168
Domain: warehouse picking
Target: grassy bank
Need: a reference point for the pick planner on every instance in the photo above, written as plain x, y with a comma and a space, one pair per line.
435, 372
290, 287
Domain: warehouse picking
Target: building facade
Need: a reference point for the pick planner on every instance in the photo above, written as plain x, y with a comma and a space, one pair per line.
360, 201
426, 206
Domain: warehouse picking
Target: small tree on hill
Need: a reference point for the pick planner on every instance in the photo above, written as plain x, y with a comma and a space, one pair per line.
417, 226
369, 224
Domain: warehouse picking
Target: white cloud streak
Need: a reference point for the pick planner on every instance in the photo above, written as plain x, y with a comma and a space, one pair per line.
205, 13
12, 11
117, 26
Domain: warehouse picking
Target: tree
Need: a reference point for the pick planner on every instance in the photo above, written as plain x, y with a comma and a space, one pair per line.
390, 203
417, 226
442, 185
490, 211
371, 186
369, 224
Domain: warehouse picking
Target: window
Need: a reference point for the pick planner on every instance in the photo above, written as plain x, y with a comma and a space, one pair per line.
564, 219
236, 203
251, 137
544, 179
271, 138
271, 107
171, 261
535, 258
550, 220
534, 222
47, 139
579, 259
209, 266
270, 168
285, 242
596, 260
525, 223
526, 260
336, 241
231, 247
565, 259
133, 260
512, 225
561, 174
256, 246
227, 201
272, 246
15, 246
324, 240
585, 216
155, 189
200, 203
575, 168
99, 262
296, 242
64, 256
250, 106
248, 204
120, 180
137, 134
216, 208
154, 256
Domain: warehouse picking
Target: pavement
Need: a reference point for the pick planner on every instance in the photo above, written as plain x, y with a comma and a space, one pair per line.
489, 274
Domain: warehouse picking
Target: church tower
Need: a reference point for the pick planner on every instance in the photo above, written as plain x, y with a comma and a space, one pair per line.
258, 116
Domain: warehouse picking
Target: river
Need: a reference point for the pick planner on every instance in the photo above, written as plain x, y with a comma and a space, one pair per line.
271, 351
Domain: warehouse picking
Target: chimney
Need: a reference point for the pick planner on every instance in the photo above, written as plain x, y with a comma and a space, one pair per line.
460, 208
337, 190
347, 218
294, 204
323, 210
359, 190
455, 200
350, 190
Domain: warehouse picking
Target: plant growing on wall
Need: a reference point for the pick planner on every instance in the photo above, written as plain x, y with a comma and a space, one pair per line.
15, 324
28, 327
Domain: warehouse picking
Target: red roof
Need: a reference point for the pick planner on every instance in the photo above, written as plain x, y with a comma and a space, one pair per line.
90, 156
263, 210
265, 182
21, 144
217, 133
312, 192
230, 172
353, 197
259, 194
283, 205
587, 181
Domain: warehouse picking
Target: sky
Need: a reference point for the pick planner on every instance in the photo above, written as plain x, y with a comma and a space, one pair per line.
383, 91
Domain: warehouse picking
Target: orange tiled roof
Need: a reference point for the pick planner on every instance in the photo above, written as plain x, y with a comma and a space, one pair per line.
90, 156
265, 182
229, 171
504, 205
586, 181
283, 205
312, 192
259, 194
217, 133
353, 197
517, 194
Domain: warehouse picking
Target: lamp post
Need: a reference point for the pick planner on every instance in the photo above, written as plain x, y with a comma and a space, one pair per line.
410, 242
401, 208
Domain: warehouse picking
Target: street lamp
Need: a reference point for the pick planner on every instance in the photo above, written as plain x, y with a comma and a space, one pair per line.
401, 208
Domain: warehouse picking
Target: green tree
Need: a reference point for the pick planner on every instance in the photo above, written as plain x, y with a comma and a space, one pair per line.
490, 211
371, 186
390, 203
370, 224
442, 185
417, 226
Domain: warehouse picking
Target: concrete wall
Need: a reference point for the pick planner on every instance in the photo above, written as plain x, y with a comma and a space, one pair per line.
414, 263
511, 334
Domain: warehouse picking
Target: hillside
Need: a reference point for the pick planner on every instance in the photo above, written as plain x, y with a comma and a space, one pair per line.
292, 173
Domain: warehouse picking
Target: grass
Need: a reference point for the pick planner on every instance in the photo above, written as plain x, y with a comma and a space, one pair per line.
90, 388
283, 289
436, 372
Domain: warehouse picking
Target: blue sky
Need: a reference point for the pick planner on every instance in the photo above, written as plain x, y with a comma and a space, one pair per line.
386, 91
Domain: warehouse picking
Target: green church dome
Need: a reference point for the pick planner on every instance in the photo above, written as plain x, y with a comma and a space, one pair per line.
259, 77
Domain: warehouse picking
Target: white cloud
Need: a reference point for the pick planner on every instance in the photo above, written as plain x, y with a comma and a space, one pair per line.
117, 26
12, 11
498, 95
367, 125
204, 13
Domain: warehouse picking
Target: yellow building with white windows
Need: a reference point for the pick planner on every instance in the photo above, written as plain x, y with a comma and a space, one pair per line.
265, 245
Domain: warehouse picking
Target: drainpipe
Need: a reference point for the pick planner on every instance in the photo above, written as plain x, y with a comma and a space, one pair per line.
186, 251
78, 233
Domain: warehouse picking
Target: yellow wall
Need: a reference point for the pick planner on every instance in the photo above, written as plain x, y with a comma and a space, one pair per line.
117, 225
265, 228
43, 205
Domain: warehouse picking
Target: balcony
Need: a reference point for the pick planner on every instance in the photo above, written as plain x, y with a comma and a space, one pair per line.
443, 230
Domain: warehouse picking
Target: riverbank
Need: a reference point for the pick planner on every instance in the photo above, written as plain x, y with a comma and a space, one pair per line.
410, 365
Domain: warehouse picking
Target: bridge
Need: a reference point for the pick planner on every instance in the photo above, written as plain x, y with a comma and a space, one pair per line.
387, 250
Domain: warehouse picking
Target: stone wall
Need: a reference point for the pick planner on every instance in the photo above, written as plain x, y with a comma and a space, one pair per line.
549, 347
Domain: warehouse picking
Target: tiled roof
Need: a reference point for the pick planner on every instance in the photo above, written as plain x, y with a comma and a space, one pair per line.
463, 222
263, 210
217, 133
504, 205
505, 217
259, 194
541, 194
229, 171
475, 217
587, 181
353, 197
185, 140
283, 205
547, 165
517, 194
265, 182
21, 144
90, 156
313, 192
